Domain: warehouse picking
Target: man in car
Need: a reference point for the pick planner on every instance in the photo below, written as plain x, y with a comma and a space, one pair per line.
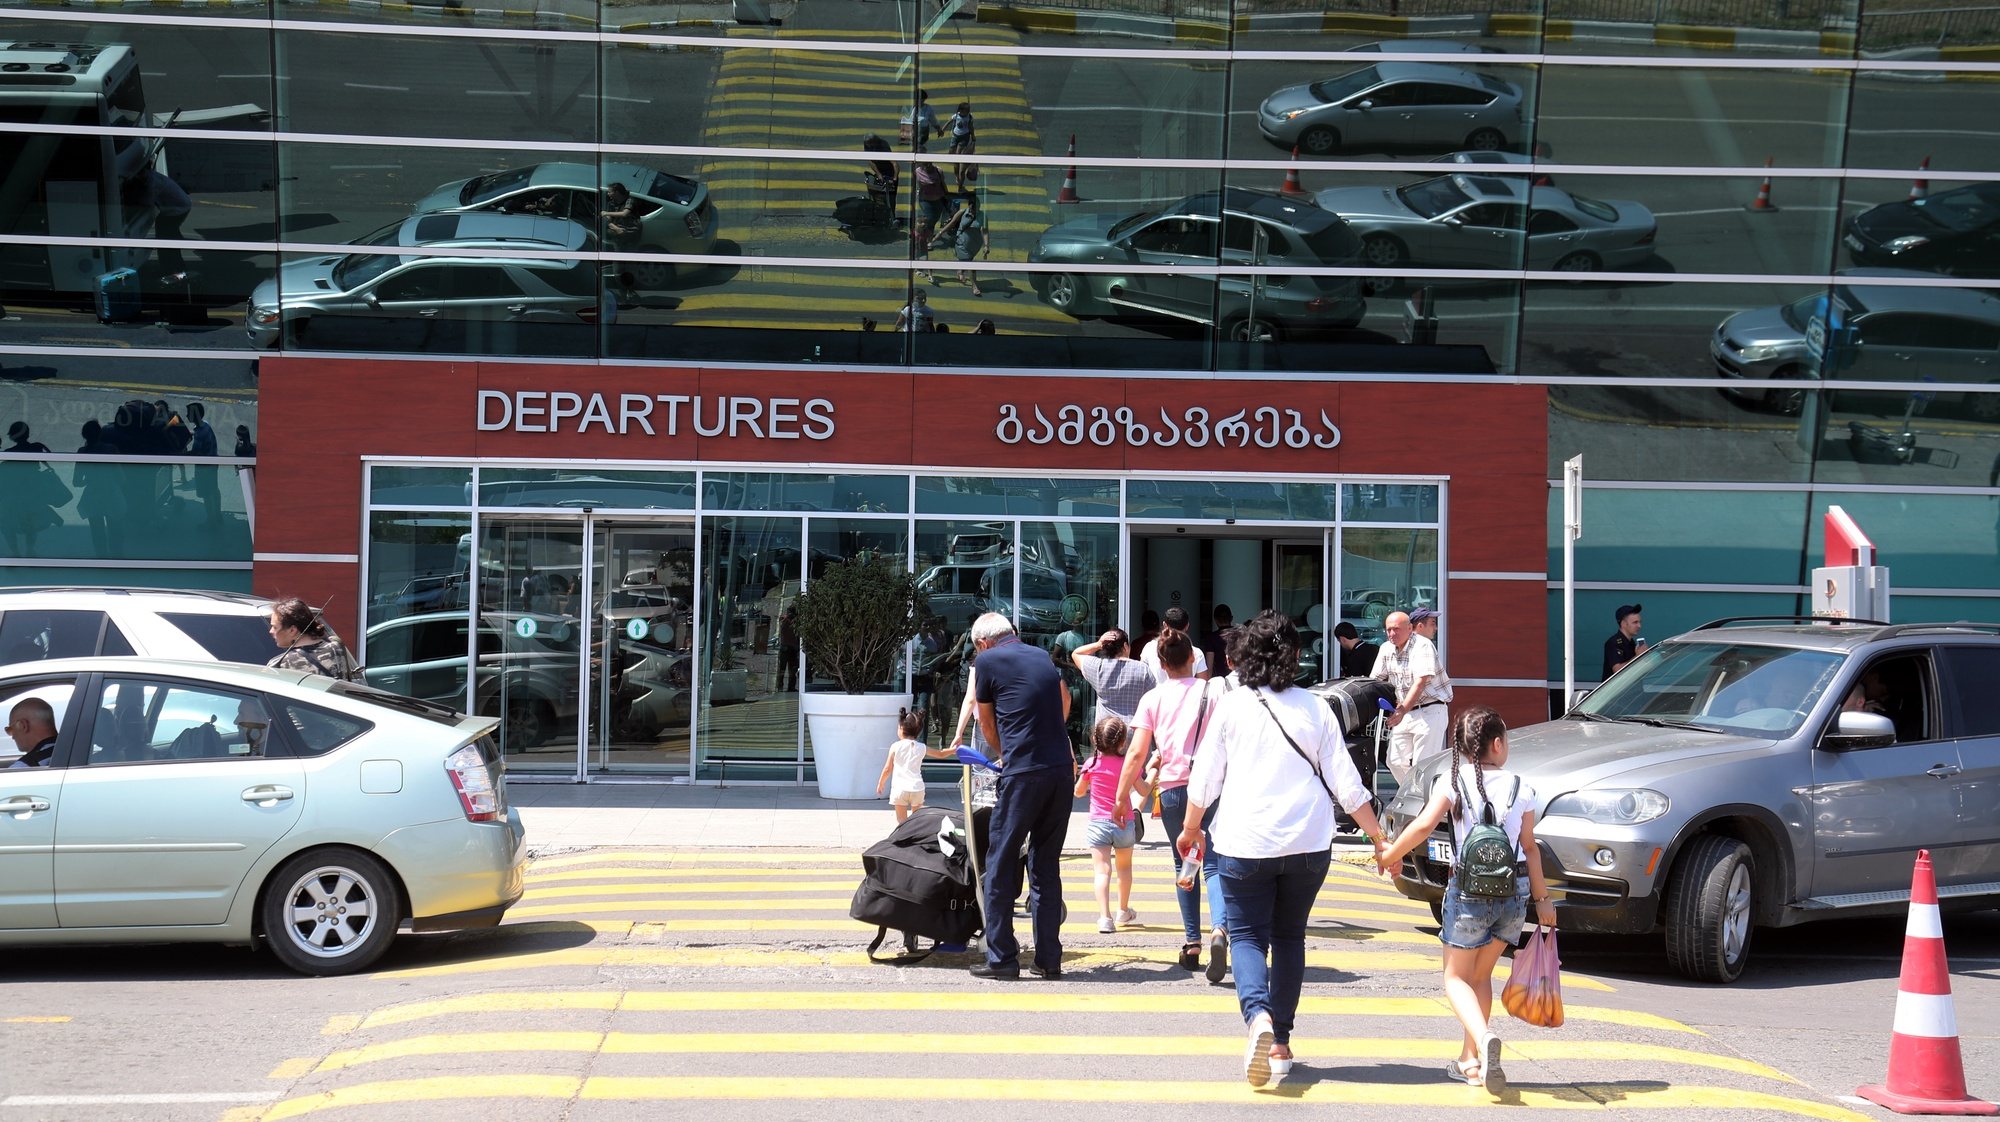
1417, 724
32, 724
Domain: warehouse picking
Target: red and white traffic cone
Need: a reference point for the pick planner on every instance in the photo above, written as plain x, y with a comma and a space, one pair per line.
1762, 203
1926, 1072
1543, 153
1291, 184
1920, 187
1068, 193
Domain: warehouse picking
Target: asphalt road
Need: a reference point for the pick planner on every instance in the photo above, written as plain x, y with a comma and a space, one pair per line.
629, 980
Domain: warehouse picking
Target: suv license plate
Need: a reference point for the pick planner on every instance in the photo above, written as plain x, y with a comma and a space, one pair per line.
1440, 851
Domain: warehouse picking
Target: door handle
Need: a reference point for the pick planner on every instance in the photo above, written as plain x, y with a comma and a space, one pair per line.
24, 804
517, 309
1942, 771
266, 794
427, 313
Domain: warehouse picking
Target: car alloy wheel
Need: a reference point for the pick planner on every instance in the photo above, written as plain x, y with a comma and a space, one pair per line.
1788, 402
1578, 262
1711, 909
651, 274
1319, 140
1247, 330
331, 911
1062, 292
1485, 140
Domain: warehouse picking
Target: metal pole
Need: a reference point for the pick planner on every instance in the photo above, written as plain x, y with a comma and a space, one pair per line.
1572, 530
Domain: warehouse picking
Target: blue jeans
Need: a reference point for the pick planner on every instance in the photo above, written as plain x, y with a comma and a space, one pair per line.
1173, 815
1267, 901
1032, 810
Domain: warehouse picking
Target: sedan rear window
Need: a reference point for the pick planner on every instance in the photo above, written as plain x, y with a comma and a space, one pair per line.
319, 731
235, 638
1724, 687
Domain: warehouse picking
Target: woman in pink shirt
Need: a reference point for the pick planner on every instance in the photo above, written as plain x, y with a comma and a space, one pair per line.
1111, 836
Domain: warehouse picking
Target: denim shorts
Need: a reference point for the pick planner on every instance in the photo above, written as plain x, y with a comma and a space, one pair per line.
1106, 834
1471, 922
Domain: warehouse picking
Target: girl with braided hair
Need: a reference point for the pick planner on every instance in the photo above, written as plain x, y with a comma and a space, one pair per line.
1476, 929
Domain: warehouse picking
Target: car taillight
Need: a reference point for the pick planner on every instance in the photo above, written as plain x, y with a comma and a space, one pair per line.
1648, 239
1319, 304
477, 795
694, 223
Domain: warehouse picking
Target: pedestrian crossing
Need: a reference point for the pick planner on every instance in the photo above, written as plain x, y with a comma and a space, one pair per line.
811, 207
629, 979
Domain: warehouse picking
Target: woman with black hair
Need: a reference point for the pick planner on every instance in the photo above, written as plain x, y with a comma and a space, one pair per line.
305, 642
1273, 763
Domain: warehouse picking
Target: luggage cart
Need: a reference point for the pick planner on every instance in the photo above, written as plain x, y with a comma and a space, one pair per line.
978, 790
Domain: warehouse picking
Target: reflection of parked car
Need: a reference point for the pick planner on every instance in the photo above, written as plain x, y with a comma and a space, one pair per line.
1475, 221
1955, 231
1395, 104
961, 590
1236, 227
1365, 603
675, 214
1716, 784
535, 676
202, 802
1426, 47
418, 288
1868, 332
45, 623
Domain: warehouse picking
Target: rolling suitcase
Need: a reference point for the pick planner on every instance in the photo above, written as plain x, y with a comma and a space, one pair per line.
118, 296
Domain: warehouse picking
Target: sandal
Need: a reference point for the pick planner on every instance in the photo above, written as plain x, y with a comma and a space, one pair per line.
1191, 955
1460, 1071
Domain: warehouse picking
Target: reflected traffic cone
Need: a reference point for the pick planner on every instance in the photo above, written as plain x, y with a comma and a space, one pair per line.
1291, 184
1926, 1072
1068, 192
1543, 154
1920, 187
1763, 203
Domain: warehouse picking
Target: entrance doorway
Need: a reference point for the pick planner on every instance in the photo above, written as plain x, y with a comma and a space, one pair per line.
1247, 572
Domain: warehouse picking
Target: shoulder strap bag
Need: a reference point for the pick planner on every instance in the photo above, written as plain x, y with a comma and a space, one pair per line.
1282, 731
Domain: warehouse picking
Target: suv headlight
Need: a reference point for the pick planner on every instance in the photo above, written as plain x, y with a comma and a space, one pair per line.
1761, 351
1907, 241
1610, 807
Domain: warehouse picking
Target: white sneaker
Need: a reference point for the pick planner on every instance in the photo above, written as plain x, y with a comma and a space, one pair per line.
1281, 1066
1257, 1054
1490, 1073
1127, 917
1105, 926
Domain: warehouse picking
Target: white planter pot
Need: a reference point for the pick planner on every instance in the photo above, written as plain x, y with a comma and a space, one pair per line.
851, 734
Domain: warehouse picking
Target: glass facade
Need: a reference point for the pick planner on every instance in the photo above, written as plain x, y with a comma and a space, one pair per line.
1752, 248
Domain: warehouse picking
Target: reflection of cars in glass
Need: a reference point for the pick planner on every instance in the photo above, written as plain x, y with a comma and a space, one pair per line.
1539, 179
415, 287
424, 656
1749, 776
1235, 227
675, 213
1469, 220
960, 591
1395, 104
1869, 332
1366, 603
1426, 47
1956, 231
193, 624
231, 804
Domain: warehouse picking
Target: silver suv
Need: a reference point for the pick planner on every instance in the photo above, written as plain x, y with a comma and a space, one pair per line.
1761, 772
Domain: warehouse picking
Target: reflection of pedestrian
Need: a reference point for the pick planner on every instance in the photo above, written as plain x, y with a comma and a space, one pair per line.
788, 648
930, 203
965, 232
245, 446
882, 179
1022, 709
916, 315
964, 142
172, 206
201, 442
29, 493
923, 122
99, 500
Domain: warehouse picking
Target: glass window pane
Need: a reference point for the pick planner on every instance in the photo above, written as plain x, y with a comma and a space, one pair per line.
1388, 502
417, 563
1685, 27
1371, 105
1740, 333
1689, 117
1930, 541
152, 722
965, 494
1383, 571
38, 634
619, 490
760, 491
1662, 536
1899, 123
750, 659
420, 486
1230, 499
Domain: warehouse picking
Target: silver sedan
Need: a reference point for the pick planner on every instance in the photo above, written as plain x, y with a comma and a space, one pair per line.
1479, 221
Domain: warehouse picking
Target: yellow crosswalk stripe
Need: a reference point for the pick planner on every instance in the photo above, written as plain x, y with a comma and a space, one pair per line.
832, 904
672, 888
1165, 927
1000, 1044
686, 1088
1040, 1000
1151, 878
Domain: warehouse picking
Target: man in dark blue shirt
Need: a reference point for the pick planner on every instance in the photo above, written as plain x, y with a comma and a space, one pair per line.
1023, 705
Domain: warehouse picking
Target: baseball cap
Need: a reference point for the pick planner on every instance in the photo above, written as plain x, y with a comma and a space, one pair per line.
1422, 614
1626, 610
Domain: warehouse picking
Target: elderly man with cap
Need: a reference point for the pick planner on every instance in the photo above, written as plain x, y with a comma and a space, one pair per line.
1408, 662
1624, 644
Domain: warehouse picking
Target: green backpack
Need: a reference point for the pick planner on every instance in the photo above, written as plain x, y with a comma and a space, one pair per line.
1486, 866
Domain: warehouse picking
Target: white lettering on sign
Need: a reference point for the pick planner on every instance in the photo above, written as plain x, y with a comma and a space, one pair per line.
1266, 426
667, 414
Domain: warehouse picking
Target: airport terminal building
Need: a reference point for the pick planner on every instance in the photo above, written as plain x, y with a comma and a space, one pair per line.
556, 346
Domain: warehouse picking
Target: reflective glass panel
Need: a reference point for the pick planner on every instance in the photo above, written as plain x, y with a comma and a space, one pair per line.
121, 509
1899, 121
1952, 229
418, 562
1388, 502
750, 674
1229, 499
1665, 536
761, 491
577, 489
1383, 571
390, 485
1690, 117
1012, 495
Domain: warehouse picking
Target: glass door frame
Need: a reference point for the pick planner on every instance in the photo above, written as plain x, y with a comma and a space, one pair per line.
590, 524
1275, 533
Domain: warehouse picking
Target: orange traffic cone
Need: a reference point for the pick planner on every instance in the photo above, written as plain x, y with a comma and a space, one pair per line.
1926, 1072
1543, 153
1068, 193
1762, 203
1920, 187
1291, 184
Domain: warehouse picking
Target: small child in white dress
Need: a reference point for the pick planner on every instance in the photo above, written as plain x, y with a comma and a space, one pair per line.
905, 764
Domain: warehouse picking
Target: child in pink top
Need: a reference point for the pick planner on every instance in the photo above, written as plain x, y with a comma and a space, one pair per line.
1110, 842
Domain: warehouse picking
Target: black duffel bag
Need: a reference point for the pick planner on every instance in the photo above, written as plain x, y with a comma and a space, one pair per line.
914, 883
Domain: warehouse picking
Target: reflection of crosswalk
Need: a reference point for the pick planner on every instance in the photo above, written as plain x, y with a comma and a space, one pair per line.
802, 207
736, 980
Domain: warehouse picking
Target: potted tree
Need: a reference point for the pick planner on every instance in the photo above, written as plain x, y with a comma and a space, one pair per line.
854, 622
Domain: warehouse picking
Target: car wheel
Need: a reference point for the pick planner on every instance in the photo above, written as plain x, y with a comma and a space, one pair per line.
1788, 402
1582, 261
1244, 329
1319, 140
1711, 909
331, 911
1983, 406
1063, 292
1380, 251
1485, 140
529, 722
651, 274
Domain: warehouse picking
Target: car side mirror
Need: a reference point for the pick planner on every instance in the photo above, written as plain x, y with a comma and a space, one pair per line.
1453, 220
1364, 104
372, 300
1853, 729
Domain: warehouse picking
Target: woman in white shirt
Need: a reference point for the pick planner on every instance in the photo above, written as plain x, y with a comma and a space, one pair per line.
1272, 762
1476, 929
